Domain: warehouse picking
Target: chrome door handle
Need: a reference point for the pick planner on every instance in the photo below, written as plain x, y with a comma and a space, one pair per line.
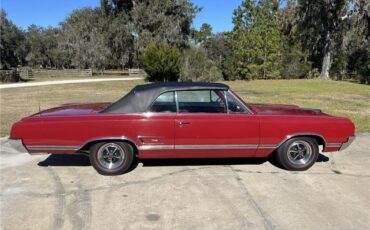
181, 123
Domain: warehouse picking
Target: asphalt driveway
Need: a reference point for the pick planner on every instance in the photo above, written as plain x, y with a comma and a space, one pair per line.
64, 192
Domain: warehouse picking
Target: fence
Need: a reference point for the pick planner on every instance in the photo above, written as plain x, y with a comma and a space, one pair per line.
25, 72
125, 72
136, 73
113, 72
62, 73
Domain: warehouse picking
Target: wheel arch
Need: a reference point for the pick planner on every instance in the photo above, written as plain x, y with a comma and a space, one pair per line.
85, 147
318, 137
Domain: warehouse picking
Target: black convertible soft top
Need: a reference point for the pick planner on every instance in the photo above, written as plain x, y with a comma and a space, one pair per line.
141, 97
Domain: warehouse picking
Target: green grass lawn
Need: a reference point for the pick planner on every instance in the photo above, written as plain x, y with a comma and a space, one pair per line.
336, 98
333, 97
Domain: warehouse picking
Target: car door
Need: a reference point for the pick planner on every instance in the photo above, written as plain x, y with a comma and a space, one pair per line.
156, 128
212, 123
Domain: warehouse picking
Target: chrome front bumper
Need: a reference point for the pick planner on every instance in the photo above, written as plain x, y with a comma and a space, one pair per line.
348, 143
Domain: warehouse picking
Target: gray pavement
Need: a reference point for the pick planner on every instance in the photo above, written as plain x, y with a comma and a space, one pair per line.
64, 192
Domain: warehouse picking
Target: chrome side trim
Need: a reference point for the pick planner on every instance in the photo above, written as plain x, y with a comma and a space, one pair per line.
142, 139
267, 146
189, 147
348, 143
216, 147
75, 148
52, 147
185, 147
156, 147
150, 137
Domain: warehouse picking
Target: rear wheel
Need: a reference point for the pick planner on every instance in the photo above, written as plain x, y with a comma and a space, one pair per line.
111, 158
298, 154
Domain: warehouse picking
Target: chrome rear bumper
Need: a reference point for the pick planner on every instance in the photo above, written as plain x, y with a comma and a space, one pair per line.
17, 144
348, 143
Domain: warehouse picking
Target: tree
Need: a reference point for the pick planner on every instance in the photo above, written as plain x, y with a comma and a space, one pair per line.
219, 49
153, 21
320, 24
361, 19
161, 62
11, 43
117, 6
41, 44
257, 41
120, 41
197, 67
157, 21
359, 62
357, 45
204, 33
112, 35
83, 36
295, 62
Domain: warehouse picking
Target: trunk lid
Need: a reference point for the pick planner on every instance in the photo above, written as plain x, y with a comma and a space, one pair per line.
74, 109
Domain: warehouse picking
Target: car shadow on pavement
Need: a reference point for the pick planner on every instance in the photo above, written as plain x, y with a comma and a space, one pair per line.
274, 161
217, 161
201, 161
322, 158
65, 160
83, 160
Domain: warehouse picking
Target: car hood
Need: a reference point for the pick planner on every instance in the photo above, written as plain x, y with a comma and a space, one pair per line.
74, 109
283, 109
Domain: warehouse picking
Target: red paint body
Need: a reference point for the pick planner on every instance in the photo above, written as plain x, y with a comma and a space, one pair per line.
72, 127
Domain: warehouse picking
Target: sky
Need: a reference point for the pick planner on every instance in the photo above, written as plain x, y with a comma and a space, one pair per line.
45, 13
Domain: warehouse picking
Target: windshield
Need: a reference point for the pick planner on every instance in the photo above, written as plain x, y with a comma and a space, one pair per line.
236, 104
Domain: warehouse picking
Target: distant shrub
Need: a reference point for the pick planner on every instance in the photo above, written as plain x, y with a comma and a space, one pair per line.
161, 63
9, 76
314, 73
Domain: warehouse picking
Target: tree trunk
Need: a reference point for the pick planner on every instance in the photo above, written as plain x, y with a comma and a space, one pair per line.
326, 62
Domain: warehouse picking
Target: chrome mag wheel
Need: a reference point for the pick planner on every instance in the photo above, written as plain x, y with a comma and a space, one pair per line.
299, 152
111, 156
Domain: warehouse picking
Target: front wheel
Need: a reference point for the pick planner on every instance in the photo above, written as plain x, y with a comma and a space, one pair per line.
298, 154
111, 158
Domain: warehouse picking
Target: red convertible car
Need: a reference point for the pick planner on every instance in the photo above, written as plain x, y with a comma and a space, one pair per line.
183, 120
